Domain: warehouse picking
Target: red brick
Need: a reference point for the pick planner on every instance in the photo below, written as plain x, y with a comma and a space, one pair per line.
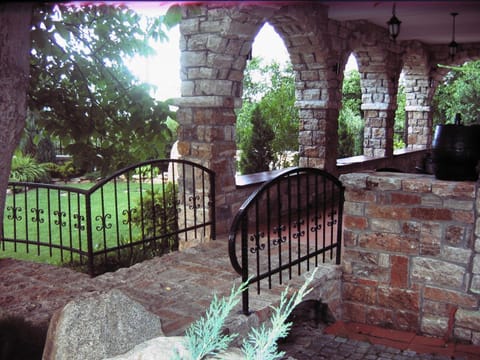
431, 214
360, 195
407, 320
399, 271
405, 199
452, 297
428, 341
464, 216
389, 242
358, 293
355, 222
380, 317
400, 299
397, 335
354, 312
387, 212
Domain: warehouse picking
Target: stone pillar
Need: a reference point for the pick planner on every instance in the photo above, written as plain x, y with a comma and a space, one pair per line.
379, 69
418, 111
214, 45
378, 132
419, 120
318, 136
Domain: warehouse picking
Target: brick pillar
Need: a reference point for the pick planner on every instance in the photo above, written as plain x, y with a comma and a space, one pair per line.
411, 254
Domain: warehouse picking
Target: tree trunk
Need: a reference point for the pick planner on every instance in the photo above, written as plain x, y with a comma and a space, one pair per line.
15, 23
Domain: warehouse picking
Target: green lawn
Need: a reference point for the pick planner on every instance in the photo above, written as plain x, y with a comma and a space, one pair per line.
46, 216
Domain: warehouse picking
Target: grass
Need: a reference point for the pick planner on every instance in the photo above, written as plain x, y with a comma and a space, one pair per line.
48, 217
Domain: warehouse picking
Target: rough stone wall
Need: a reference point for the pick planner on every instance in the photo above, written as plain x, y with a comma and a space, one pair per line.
215, 41
411, 254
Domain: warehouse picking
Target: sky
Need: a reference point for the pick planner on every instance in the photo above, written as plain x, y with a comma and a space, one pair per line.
163, 70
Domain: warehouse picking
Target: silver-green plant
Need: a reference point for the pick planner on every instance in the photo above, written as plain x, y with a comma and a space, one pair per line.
204, 337
261, 343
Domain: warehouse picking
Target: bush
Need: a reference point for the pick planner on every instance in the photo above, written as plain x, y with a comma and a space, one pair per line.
156, 216
26, 168
64, 171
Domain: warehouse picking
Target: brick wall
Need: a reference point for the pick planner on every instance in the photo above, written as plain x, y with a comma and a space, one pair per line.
412, 254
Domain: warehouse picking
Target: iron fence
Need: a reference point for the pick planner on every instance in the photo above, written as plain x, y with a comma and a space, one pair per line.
291, 223
139, 212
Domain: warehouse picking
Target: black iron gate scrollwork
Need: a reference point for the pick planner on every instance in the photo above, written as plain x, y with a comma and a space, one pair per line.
290, 224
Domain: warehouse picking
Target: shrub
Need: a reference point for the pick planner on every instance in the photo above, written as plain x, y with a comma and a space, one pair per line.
206, 338
26, 168
156, 216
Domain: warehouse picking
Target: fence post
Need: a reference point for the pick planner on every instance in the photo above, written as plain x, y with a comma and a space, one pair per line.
88, 217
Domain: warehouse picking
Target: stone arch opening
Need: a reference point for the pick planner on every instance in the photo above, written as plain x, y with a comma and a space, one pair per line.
268, 84
350, 119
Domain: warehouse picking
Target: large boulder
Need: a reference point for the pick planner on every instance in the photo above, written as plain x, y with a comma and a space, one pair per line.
98, 327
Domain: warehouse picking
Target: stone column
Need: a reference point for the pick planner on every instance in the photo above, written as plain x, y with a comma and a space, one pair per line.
214, 44
378, 132
318, 137
418, 111
419, 120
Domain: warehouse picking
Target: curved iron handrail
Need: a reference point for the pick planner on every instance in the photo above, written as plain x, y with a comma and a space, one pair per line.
240, 225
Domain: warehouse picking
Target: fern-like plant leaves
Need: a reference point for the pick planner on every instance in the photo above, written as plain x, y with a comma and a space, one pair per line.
204, 337
261, 344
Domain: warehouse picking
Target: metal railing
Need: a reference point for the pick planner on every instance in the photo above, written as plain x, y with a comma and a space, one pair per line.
289, 224
138, 212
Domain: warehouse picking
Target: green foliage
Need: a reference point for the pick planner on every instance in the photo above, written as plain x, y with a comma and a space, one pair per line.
350, 122
156, 214
63, 171
257, 153
271, 89
262, 343
459, 93
83, 92
26, 168
399, 126
350, 133
205, 337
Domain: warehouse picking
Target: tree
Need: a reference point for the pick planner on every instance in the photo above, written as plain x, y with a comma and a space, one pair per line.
459, 93
257, 153
399, 126
15, 19
83, 92
271, 89
350, 122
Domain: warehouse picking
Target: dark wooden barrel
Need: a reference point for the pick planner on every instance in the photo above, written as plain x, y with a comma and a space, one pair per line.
456, 152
